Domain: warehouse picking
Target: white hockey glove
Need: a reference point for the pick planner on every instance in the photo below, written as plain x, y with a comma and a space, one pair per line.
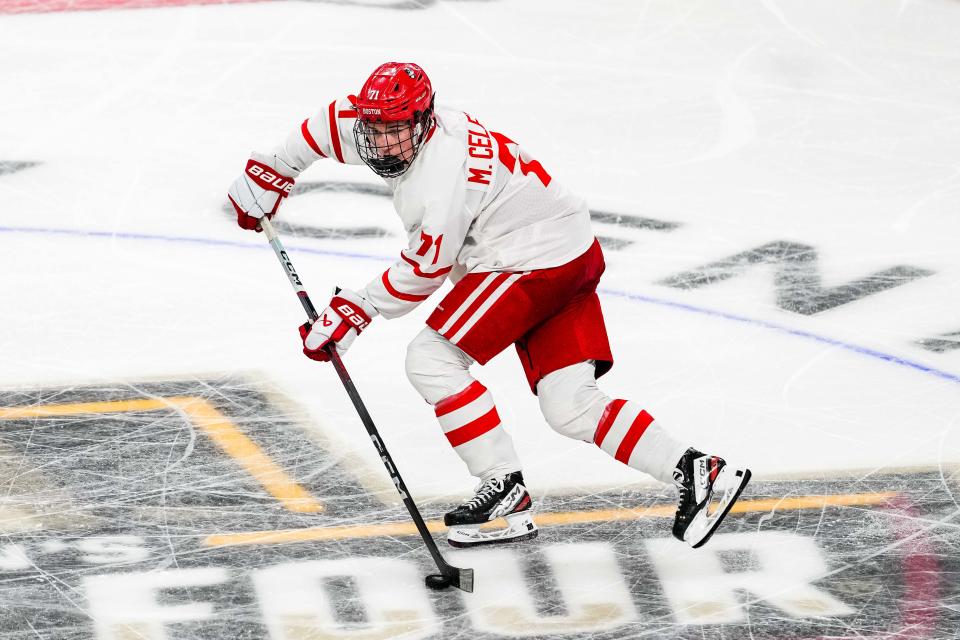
265, 182
340, 323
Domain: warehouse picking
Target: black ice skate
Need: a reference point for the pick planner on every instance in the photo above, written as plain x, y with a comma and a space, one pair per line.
503, 497
699, 477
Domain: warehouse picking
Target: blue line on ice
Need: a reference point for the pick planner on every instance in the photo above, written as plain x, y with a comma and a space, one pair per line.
873, 353
634, 297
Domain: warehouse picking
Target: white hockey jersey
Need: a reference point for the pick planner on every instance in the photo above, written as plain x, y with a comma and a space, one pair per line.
471, 201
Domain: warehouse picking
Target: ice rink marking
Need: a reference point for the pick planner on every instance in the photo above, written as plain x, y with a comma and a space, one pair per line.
544, 519
208, 419
634, 297
799, 333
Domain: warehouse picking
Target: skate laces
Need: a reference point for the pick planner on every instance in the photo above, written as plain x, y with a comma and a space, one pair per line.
485, 491
685, 487
686, 499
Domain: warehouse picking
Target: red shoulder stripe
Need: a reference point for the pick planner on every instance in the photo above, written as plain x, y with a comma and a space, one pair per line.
408, 297
305, 130
347, 113
334, 132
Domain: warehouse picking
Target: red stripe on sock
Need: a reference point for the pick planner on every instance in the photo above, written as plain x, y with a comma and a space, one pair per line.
606, 420
474, 429
460, 399
633, 436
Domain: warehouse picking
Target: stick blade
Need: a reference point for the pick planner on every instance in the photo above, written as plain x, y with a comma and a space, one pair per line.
463, 579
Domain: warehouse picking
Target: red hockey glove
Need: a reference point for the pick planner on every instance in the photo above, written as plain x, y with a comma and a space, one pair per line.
266, 181
340, 323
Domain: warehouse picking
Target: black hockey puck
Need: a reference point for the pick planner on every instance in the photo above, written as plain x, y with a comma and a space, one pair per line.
438, 581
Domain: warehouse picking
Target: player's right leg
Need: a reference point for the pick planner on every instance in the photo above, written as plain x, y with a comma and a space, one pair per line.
574, 406
439, 371
482, 315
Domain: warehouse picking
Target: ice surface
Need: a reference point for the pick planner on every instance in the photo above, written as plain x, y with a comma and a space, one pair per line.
776, 185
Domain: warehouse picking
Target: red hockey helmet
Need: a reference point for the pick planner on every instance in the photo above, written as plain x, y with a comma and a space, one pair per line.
394, 117
394, 91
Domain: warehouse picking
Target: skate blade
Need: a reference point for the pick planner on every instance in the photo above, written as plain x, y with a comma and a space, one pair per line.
520, 526
705, 523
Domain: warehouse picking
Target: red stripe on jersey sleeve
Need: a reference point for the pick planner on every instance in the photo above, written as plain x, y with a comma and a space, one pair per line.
459, 399
347, 113
474, 429
607, 419
417, 272
334, 132
409, 297
305, 130
630, 440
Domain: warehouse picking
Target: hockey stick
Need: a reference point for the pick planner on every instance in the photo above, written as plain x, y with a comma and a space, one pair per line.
449, 575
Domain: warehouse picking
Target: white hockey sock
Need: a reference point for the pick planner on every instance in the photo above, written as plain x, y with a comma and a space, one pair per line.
470, 421
632, 436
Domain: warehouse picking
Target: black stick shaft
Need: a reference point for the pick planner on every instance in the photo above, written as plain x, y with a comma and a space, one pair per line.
387, 460
464, 576
288, 267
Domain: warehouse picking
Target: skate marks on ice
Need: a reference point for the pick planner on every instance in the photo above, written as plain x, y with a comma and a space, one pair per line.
202, 509
13, 166
621, 224
941, 343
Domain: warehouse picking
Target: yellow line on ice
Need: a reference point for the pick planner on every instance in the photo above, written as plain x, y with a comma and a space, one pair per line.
208, 419
548, 519
112, 406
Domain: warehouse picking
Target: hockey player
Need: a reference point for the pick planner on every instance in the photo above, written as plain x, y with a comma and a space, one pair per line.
518, 247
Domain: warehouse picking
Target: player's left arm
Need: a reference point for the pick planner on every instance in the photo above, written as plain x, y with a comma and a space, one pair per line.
270, 177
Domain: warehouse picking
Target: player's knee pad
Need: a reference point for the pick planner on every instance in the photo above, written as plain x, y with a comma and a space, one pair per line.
571, 402
435, 367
